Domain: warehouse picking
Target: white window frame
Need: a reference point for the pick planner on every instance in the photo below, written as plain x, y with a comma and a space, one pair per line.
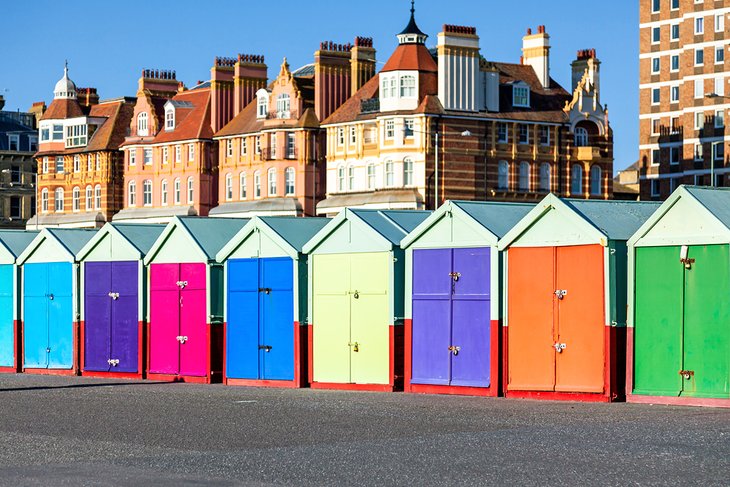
546, 173
177, 190
656, 157
505, 132
340, 136
390, 129
674, 155
191, 190
59, 166
147, 156
408, 172
699, 151
97, 197
242, 186
656, 96
595, 177
699, 53
132, 157
76, 199
244, 147
656, 65
656, 35
674, 94
719, 86
699, 120
58, 197
169, 119
520, 95
655, 6
389, 173
718, 155
655, 126
229, 148
131, 194
719, 118
672, 69
350, 177
523, 181
257, 184
77, 163
291, 140
353, 136
191, 152
523, 128
699, 88
271, 181
283, 104
178, 154
370, 172
576, 179
289, 181
720, 22
97, 159
273, 145
341, 177
262, 107
163, 192
229, 187
719, 54
699, 25
44, 165
673, 28
165, 155
544, 133
89, 200
44, 200
407, 86
142, 124
147, 192
655, 188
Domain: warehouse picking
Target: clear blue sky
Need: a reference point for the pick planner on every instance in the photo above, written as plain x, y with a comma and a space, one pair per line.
109, 42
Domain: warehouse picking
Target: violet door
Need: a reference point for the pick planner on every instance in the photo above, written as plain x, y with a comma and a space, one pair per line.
164, 354
470, 323
193, 321
431, 335
124, 350
97, 315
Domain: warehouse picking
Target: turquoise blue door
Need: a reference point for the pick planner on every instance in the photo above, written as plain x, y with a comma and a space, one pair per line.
48, 325
7, 333
260, 329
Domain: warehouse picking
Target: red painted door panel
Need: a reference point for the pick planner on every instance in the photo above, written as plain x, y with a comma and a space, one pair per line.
193, 321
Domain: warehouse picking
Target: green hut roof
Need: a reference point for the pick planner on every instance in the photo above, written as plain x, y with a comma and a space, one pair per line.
73, 239
142, 236
296, 231
618, 220
212, 233
497, 217
16, 241
716, 200
392, 224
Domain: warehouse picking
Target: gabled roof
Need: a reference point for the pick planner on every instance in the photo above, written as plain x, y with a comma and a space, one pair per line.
291, 233
245, 122
412, 57
16, 241
496, 218
192, 119
139, 236
350, 110
603, 220
70, 239
390, 225
62, 108
110, 135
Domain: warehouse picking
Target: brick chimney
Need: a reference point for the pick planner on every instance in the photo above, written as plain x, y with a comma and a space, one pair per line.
536, 53
38, 109
586, 61
87, 97
221, 92
332, 75
159, 82
362, 63
249, 75
459, 87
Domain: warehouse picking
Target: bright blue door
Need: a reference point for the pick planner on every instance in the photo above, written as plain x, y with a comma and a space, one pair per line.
277, 318
35, 309
7, 333
242, 329
60, 315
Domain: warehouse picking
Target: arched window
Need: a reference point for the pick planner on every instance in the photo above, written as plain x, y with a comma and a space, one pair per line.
170, 119
163, 192
545, 173
282, 106
581, 137
503, 175
76, 198
407, 171
340, 178
407, 86
142, 129
595, 180
176, 188
524, 181
44, 200
147, 192
89, 198
351, 177
257, 184
191, 190
131, 194
272, 181
389, 176
289, 181
262, 107
576, 179
371, 175
59, 199
229, 187
242, 190
97, 197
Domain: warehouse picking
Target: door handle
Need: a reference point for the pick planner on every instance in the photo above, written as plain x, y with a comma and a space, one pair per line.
181, 284
559, 347
114, 296
560, 293
265, 348
687, 374
113, 362
455, 275
355, 346
266, 290
182, 339
454, 349
50, 296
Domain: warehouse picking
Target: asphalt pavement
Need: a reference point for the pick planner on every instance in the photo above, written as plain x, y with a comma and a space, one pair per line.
78, 431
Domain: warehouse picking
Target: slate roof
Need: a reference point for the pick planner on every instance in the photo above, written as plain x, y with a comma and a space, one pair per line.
212, 233
716, 200
73, 239
618, 220
16, 241
295, 230
497, 217
394, 225
142, 236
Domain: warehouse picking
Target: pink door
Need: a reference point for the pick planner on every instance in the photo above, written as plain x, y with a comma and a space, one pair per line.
193, 322
164, 319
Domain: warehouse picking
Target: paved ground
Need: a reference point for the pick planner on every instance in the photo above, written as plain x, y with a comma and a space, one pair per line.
79, 431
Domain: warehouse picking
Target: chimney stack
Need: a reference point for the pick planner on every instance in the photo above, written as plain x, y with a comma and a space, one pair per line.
38, 109
536, 53
332, 77
586, 61
159, 82
87, 97
249, 75
362, 63
459, 75
221, 92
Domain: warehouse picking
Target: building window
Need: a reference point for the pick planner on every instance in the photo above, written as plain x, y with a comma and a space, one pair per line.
719, 86
674, 155
353, 136
655, 96
44, 200
544, 135
191, 190
655, 126
340, 178
389, 129
351, 177
59, 164
257, 184
545, 173
674, 67
520, 96
176, 189
142, 129
655, 189
272, 145
178, 155
282, 106
576, 179
271, 177
674, 32
258, 144
699, 88
719, 23
262, 107
720, 55
674, 94
370, 134
655, 157
384, 87
14, 142
675, 5
131, 195
44, 165
16, 175
371, 175
45, 134
718, 151
340, 136
655, 6
165, 155
503, 175
191, 152
75, 135
407, 171
229, 187
699, 153
163, 192
501, 132
408, 86
655, 65
699, 57
408, 128
289, 181
132, 157
97, 197
699, 25
392, 82
389, 176
655, 35
244, 146
229, 148
76, 199
524, 134
719, 118
581, 137
58, 132
290, 140
89, 164
89, 201
16, 209
595, 175
242, 190
77, 163
147, 192
147, 157
169, 119
524, 180
59, 199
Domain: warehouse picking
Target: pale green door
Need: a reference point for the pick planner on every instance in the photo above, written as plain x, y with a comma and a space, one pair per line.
370, 320
331, 318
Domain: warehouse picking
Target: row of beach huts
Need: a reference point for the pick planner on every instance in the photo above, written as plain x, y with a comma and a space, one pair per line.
567, 299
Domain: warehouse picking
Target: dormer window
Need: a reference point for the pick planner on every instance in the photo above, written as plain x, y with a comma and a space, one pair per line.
262, 105
170, 119
521, 95
142, 128
282, 106
408, 86
75, 135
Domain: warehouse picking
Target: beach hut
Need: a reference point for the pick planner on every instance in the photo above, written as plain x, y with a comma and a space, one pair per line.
566, 299
50, 300
265, 337
185, 330
679, 289
452, 298
12, 243
113, 299
356, 271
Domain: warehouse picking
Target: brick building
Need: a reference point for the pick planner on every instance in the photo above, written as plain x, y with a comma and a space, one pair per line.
684, 98
503, 131
80, 166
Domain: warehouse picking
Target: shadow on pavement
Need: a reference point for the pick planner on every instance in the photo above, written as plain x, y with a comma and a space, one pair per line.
80, 386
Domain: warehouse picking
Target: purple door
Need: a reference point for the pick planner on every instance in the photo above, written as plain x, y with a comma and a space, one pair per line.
97, 315
451, 317
125, 328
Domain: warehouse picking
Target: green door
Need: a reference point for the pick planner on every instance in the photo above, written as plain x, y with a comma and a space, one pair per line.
707, 322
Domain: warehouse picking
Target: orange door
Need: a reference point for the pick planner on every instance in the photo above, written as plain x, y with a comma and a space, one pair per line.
580, 317
530, 292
